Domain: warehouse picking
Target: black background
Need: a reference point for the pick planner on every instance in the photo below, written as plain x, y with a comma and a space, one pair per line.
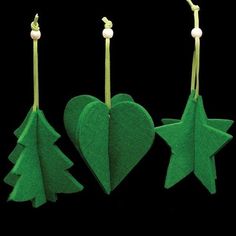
151, 57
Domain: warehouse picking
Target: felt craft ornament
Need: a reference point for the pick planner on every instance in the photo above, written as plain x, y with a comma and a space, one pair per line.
194, 139
112, 137
40, 168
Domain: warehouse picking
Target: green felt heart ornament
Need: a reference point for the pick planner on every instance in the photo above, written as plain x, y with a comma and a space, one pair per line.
111, 141
112, 137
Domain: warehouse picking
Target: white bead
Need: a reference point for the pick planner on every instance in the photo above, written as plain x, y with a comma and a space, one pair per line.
107, 33
35, 34
196, 33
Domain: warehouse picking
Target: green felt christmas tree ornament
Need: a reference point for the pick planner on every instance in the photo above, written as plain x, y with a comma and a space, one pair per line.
194, 139
40, 167
112, 137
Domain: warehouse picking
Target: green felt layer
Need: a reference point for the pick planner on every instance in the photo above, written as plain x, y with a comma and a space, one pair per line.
208, 142
15, 154
21, 128
112, 142
40, 170
131, 136
72, 112
121, 97
93, 139
194, 143
11, 178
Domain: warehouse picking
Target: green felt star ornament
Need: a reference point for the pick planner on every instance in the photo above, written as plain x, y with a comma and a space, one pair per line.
194, 142
40, 167
112, 137
195, 139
